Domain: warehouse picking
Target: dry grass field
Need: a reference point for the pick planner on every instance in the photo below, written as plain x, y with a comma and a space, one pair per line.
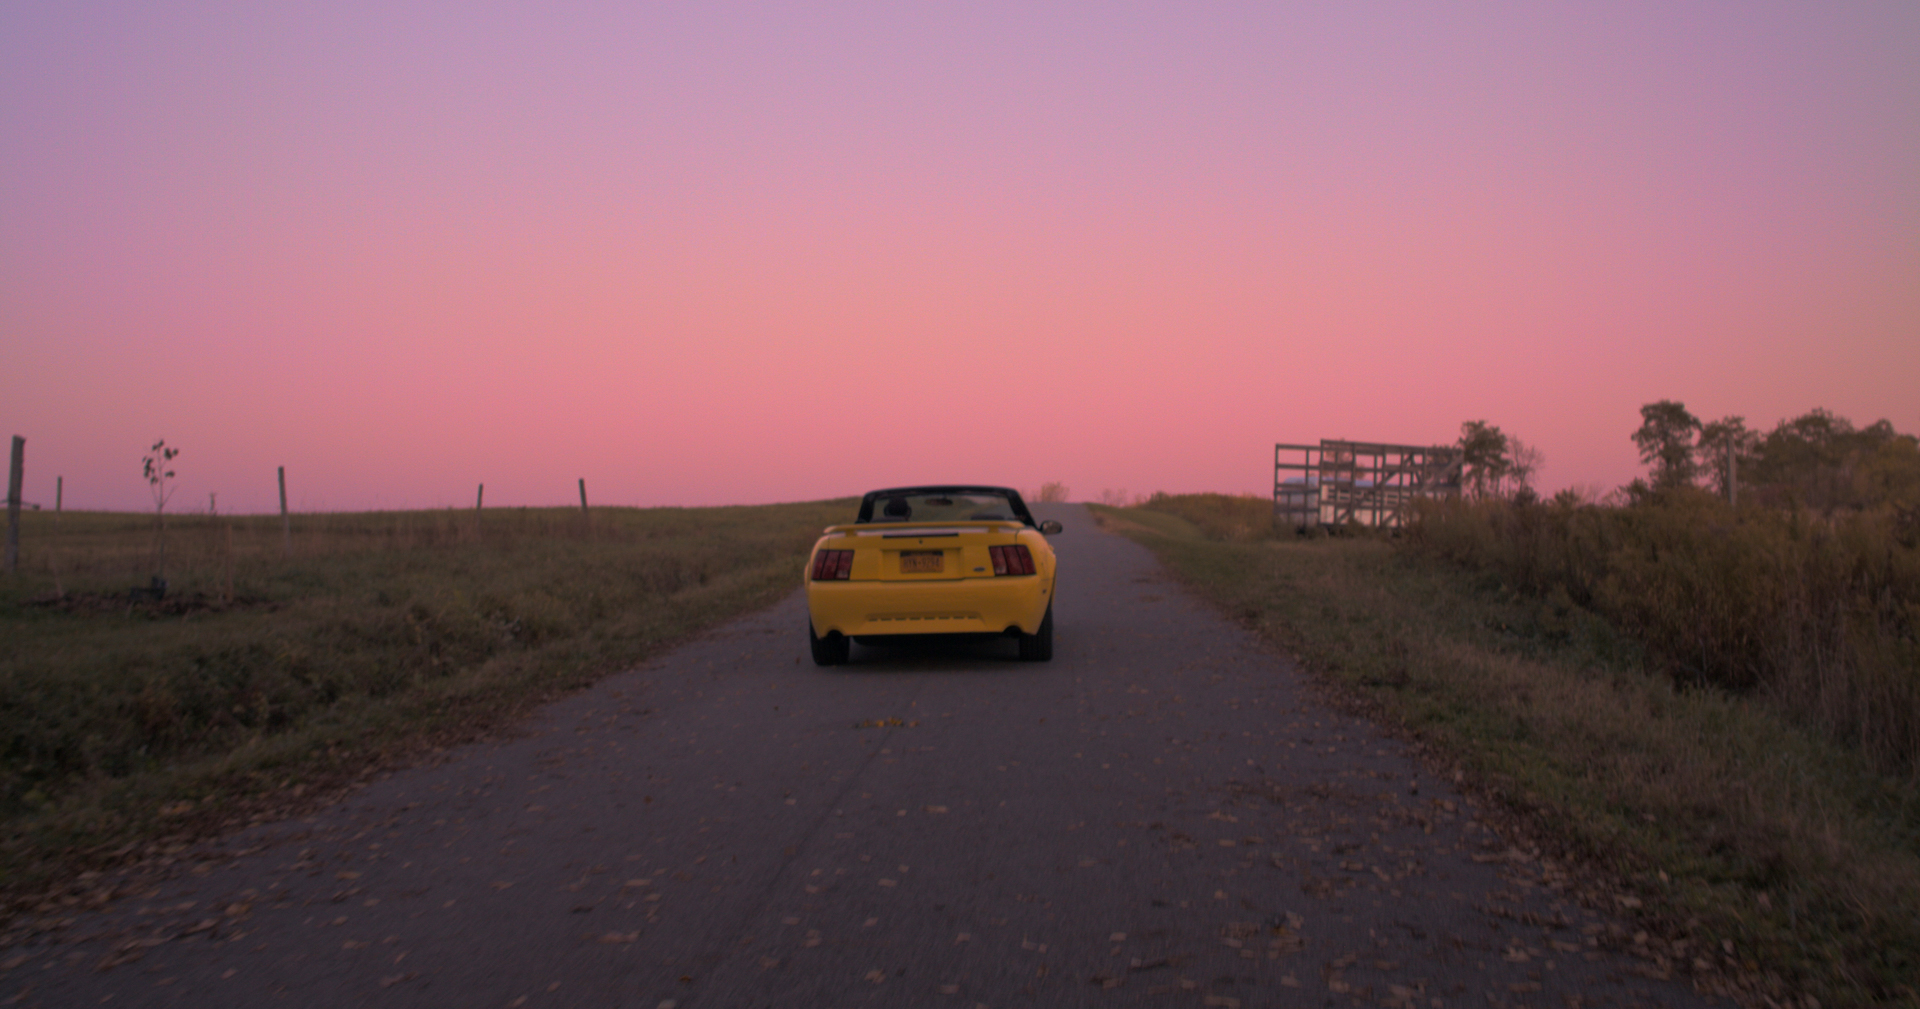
275, 669
1743, 837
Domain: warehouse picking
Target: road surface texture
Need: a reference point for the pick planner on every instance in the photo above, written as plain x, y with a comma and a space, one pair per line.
1163, 815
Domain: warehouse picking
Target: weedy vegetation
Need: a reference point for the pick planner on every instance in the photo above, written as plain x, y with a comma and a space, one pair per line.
269, 667
1715, 708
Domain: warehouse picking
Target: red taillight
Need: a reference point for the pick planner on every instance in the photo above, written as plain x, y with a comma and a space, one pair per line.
832, 565
1011, 560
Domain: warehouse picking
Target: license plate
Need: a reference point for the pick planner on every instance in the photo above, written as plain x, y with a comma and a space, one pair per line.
916, 562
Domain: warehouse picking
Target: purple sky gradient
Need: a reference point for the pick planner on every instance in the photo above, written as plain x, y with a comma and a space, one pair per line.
761, 252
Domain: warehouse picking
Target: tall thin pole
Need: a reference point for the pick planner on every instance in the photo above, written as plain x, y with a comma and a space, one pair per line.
479, 496
13, 503
583, 495
286, 524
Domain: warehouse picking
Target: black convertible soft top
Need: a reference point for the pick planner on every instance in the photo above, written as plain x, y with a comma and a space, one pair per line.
941, 490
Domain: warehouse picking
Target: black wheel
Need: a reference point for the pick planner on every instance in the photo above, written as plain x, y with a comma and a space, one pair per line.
831, 650
1038, 646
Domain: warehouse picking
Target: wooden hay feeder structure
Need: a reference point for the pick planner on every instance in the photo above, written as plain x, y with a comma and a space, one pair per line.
1337, 483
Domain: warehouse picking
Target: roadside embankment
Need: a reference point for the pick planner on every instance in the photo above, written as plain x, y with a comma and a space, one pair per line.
1753, 848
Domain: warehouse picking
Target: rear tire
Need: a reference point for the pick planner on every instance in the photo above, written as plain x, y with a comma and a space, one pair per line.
831, 650
1038, 646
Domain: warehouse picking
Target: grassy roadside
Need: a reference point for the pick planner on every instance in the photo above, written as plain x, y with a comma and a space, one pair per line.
1748, 848
275, 670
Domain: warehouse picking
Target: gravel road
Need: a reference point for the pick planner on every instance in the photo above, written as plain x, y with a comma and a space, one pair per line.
1162, 815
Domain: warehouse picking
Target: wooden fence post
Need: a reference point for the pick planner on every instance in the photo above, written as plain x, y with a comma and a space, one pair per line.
479, 496
286, 524
583, 495
13, 503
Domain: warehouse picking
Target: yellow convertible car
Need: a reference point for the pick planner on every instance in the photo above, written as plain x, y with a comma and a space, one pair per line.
933, 560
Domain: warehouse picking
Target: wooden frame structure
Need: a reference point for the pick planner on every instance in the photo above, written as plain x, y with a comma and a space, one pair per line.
1359, 483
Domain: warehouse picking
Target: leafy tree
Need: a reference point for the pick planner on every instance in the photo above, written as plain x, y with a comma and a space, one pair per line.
1484, 455
1524, 461
1725, 441
1665, 439
1821, 461
157, 463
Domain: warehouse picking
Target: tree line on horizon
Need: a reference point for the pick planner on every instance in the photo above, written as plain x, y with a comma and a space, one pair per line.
1818, 461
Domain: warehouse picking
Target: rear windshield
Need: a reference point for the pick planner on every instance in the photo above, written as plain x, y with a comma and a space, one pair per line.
972, 506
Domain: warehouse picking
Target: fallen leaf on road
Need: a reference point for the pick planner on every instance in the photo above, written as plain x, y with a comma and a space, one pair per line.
876, 975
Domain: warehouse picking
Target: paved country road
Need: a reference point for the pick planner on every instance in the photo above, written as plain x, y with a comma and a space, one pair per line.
1163, 815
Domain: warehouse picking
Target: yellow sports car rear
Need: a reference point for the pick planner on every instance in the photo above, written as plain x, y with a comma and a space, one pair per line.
957, 559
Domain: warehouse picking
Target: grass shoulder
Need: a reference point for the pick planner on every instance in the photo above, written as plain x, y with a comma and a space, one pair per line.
279, 670
1753, 852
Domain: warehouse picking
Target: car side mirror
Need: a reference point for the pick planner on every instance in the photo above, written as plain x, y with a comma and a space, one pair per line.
1050, 528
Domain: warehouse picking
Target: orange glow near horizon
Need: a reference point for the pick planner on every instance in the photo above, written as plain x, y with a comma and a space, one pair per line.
761, 253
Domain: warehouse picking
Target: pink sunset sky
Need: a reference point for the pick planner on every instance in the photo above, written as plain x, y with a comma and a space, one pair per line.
741, 253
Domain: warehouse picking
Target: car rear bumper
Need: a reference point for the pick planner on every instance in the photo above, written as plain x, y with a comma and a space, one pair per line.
957, 606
